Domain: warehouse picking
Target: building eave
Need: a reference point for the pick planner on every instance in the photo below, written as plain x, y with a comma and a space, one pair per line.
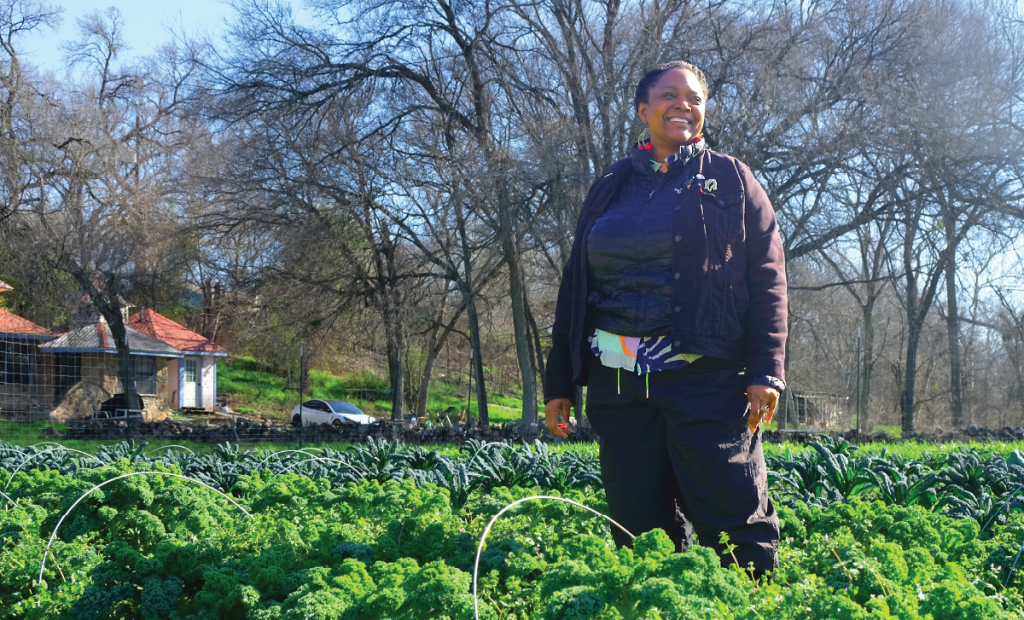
44, 337
112, 352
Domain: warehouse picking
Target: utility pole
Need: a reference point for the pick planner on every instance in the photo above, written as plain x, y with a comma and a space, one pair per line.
469, 397
396, 407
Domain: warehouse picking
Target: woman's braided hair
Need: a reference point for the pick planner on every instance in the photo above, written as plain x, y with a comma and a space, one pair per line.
643, 89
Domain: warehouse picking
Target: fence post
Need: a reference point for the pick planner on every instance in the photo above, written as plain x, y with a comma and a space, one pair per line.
858, 384
396, 398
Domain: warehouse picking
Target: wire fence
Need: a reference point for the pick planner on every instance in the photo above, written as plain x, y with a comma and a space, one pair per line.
50, 382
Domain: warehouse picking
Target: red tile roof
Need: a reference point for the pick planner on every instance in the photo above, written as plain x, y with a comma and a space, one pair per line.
165, 330
13, 324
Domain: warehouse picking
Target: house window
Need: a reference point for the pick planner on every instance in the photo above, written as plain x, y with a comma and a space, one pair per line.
15, 364
145, 374
68, 368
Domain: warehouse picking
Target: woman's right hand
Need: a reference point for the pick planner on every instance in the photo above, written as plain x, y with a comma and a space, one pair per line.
552, 409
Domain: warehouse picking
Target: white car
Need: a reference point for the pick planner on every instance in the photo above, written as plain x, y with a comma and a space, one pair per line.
334, 412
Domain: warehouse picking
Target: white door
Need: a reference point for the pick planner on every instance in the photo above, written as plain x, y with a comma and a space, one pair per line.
190, 391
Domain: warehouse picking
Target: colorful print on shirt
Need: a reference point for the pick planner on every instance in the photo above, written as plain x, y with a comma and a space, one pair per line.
645, 355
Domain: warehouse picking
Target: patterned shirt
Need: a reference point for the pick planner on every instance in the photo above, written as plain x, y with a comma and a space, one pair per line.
645, 355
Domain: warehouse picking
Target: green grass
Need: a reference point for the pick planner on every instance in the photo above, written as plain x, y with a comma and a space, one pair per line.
255, 390
911, 449
894, 430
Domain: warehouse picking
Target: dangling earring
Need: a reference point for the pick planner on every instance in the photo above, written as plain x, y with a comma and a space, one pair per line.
643, 141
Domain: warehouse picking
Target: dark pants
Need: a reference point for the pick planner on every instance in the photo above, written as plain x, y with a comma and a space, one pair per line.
684, 448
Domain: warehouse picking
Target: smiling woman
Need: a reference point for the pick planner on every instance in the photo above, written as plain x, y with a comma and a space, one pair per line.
677, 277
671, 104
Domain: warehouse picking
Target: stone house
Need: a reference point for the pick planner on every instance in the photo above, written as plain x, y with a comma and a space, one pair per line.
87, 371
196, 370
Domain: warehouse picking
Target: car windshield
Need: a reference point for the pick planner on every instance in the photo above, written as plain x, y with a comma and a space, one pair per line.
342, 407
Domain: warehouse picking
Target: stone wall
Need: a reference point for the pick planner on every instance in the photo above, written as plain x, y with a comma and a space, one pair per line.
245, 430
98, 382
25, 403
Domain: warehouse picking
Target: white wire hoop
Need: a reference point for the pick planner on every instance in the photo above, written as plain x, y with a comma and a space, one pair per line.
8, 498
278, 455
487, 530
173, 445
42, 565
48, 450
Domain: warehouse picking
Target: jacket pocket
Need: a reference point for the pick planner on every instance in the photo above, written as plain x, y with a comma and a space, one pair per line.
723, 223
722, 211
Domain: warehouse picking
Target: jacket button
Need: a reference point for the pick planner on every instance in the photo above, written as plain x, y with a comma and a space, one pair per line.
677, 208
720, 202
678, 238
677, 344
676, 275
676, 309
590, 339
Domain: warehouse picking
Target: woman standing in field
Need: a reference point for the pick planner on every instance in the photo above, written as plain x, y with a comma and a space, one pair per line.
672, 309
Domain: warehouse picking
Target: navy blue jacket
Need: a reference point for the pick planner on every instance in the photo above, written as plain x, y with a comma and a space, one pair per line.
629, 254
729, 274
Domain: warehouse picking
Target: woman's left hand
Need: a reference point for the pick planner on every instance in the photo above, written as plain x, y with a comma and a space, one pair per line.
763, 400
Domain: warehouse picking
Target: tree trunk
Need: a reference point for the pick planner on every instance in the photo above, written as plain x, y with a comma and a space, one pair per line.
517, 290
477, 367
783, 408
428, 368
914, 322
536, 350
910, 376
469, 298
435, 344
953, 331
424, 396
396, 394
868, 362
394, 344
110, 307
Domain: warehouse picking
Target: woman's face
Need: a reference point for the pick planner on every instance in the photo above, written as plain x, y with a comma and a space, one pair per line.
674, 111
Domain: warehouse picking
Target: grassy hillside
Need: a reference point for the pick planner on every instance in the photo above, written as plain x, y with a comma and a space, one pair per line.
252, 389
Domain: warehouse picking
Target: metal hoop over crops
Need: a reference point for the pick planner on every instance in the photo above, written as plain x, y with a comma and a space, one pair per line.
42, 565
32, 456
279, 453
5, 496
173, 445
47, 443
487, 530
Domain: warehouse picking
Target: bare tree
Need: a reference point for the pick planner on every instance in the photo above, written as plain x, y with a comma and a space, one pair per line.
17, 138
106, 205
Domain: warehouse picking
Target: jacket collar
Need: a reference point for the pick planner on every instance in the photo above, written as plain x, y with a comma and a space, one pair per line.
644, 164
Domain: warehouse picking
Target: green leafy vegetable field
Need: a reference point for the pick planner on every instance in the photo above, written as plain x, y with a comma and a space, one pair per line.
384, 531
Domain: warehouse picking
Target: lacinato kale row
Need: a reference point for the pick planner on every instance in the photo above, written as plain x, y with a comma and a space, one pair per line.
386, 531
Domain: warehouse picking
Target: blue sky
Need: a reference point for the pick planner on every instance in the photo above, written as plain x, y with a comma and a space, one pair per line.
146, 24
